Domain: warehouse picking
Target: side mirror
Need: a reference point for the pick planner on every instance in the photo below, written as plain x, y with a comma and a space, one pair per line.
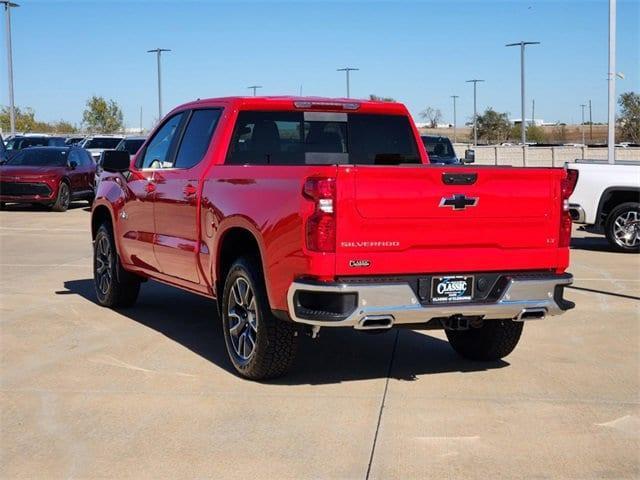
469, 156
73, 164
115, 161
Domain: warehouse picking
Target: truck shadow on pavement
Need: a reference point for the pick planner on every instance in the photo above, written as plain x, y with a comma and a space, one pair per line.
338, 355
592, 244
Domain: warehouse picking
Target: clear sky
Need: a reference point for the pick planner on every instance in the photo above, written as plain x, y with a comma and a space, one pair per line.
417, 52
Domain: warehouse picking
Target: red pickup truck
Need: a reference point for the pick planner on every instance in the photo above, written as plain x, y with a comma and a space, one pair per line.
301, 213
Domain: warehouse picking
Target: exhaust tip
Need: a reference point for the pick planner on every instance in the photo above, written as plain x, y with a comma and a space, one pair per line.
532, 314
375, 322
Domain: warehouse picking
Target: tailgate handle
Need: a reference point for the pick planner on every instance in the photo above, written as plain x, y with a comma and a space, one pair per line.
459, 178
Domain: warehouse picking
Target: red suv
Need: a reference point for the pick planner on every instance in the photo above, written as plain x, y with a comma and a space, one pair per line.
52, 176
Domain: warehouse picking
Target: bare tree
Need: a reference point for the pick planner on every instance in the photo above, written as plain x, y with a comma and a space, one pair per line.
432, 116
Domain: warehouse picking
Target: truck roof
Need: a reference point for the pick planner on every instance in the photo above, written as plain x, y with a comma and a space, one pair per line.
301, 103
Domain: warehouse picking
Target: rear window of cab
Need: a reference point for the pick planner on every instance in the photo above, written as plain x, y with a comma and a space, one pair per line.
322, 138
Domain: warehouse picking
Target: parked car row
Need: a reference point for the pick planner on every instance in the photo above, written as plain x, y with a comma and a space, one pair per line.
53, 170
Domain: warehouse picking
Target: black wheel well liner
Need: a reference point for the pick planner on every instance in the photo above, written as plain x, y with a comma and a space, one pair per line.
612, 197
235, 243
100, 215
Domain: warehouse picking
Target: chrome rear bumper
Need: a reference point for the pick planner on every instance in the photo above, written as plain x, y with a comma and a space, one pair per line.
385, 305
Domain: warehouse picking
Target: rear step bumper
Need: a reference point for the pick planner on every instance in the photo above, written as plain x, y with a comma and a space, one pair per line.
379, 306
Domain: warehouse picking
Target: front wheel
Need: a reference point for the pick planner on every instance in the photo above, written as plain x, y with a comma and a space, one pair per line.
494, 340
115, 287
64, 198
622, 227
259, 345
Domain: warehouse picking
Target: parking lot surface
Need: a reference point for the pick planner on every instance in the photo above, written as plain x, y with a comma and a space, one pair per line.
147, 392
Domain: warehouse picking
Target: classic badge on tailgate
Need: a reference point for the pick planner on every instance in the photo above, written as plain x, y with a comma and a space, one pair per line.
451, 289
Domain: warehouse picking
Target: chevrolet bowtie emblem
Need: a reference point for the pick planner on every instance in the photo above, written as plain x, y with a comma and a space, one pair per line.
459, 202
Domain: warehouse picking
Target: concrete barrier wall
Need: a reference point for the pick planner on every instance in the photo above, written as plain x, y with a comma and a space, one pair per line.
541, 156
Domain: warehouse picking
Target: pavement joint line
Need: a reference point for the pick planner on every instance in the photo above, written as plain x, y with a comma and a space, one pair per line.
226, 393
384, 396
21, 265
44, 230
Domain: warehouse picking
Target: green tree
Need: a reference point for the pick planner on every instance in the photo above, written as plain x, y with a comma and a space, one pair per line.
102, 116
62, 126
629, 119
376, 98
25, 119
494, 127
536, 134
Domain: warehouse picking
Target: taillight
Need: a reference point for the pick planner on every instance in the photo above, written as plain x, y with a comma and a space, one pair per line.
321, 225
567, 187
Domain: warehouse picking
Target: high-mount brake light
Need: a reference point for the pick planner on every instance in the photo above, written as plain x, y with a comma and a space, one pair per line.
320, 230
567, 186
307, 104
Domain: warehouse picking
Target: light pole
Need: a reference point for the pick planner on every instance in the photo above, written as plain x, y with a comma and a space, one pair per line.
254, 88
590, 124
12, 107
347, 70
454, 117
158, 52
582, 124
523, 128
475, 110
611, 129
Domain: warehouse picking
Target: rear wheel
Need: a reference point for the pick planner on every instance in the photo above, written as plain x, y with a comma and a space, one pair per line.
259, 345
622, 227
64, 198
115, 287
494, 340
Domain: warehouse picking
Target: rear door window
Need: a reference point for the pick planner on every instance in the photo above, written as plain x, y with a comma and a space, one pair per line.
196, 138
322, 138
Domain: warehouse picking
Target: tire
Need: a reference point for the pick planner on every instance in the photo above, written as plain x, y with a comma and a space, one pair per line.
269, 344
115, 287
622, 227
494, 340
90, 201
64, 198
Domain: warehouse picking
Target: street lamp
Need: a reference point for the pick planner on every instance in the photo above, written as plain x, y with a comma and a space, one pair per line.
347, 70
454, 117
475, 110
158, 52
611, 114
12, 107
254, 88
582, 124
523, 128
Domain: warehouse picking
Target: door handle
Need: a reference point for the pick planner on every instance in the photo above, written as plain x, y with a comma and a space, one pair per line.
150, 187
189, 190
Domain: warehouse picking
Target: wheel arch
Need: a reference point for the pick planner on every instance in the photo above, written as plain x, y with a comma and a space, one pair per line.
612, 197
234, 242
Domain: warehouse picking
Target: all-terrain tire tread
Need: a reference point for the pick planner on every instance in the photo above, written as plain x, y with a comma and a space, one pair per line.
494, 340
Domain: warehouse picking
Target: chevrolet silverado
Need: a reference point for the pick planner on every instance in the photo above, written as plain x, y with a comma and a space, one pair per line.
297, 213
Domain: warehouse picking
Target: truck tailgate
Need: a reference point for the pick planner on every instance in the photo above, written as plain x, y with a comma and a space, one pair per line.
448, 219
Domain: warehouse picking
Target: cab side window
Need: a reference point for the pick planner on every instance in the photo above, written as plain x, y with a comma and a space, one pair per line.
197, 137
157, 153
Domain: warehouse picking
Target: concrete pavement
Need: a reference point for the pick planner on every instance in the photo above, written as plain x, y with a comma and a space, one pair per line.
87, 392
